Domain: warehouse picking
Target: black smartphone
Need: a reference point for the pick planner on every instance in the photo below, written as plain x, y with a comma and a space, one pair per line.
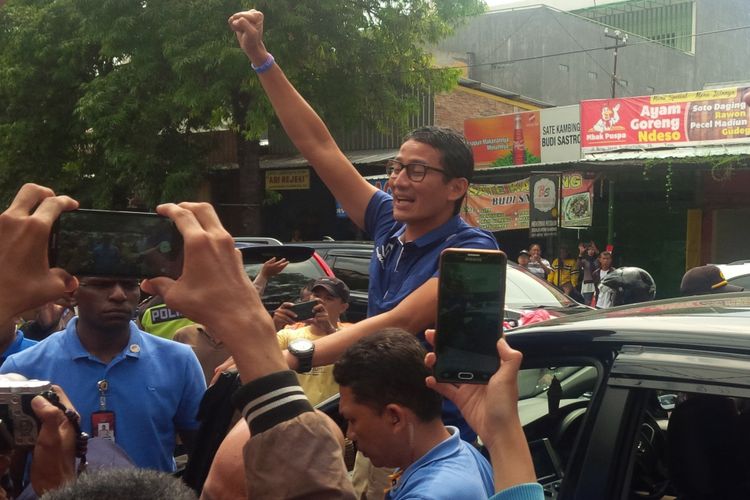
471, 300
304, 310
118, 244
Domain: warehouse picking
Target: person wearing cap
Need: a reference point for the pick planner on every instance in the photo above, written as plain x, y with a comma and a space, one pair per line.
333, 297
523, 259
706, 279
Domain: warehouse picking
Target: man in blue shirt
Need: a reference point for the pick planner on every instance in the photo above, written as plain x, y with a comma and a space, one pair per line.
394, 419
128, 386
428, 178
12, 341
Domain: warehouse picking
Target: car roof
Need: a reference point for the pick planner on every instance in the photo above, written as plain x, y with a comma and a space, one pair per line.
734, 269
719, 321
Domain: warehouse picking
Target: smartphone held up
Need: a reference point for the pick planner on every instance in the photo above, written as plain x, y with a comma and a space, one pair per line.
117, 244
471, 300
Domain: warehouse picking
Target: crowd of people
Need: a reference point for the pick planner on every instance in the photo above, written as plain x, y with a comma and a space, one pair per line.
580, 277
136, 393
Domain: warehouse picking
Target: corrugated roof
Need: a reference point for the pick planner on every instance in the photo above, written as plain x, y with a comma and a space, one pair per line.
681, 152
361, 157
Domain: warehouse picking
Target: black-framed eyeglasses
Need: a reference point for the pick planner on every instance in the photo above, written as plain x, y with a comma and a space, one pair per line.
107, 284
414, 171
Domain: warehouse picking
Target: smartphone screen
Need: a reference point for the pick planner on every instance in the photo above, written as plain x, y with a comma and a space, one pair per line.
471, 299
304, 310
118, 244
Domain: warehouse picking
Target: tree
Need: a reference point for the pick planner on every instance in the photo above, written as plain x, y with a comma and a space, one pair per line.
103, 98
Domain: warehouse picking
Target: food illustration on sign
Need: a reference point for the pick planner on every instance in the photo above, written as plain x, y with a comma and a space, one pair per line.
576, 206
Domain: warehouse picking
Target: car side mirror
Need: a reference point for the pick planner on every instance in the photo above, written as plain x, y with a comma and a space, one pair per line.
667, 401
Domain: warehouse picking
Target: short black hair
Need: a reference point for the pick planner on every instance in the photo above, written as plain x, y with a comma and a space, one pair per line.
123, 484
388, 367
458, 159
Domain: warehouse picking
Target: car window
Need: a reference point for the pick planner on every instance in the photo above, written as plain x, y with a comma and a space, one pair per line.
553, 401
353, 271
286, 285
743, 281
523, 290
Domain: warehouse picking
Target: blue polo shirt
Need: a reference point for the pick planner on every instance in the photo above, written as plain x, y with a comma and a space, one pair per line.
397, 268
19, 344
155, 388
453, 470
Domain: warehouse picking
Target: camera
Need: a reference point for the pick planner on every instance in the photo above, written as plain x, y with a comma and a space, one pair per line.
18, 424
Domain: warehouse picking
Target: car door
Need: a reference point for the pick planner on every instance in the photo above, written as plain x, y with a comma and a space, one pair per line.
637, 450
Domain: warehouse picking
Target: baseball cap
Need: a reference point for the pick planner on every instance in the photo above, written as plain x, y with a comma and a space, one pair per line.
524, 252
706, 279
334, 286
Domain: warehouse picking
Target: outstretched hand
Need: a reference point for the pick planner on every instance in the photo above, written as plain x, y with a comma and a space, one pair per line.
25, 228
489, 407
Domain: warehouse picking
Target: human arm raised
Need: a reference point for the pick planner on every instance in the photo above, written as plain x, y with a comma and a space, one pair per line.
414, 314
302, 124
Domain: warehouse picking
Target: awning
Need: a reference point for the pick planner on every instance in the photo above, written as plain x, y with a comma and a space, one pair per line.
658, 154
361, 157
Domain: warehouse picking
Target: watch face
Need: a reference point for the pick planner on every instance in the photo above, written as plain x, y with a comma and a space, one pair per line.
301, 346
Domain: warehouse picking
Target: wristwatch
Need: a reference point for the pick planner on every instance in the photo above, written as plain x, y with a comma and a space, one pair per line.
303, 350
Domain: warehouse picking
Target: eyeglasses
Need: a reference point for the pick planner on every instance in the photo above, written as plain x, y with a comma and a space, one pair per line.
107, 284
414, 171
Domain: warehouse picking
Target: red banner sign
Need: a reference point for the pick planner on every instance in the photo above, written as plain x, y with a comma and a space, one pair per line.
667, 120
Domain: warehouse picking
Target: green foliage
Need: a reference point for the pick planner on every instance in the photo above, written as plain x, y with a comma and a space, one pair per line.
102, 98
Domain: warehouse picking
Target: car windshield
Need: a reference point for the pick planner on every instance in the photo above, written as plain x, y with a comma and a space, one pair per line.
286, 285
525, 291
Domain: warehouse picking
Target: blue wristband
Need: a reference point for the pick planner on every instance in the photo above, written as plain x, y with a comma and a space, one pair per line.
265, 66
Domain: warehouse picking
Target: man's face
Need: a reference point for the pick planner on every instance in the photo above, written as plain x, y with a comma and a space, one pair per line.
605, 261
369, 430
333, 305
107, 303
422, 202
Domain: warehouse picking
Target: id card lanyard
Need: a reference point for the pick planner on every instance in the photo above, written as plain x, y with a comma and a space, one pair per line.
103, 421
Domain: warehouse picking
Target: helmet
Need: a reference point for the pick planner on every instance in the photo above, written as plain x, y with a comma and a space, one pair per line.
630, 285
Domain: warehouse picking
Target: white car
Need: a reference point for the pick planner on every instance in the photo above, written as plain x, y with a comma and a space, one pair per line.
737, 273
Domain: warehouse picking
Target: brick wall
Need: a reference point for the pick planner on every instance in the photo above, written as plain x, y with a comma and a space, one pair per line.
451, 109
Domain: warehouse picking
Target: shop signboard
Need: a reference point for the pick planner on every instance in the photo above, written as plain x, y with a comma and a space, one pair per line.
544, 204
278, 180
503, 207
703, 117
526, 138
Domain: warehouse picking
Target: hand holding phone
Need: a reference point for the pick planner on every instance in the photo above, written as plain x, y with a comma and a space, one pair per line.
471, 300
304, 310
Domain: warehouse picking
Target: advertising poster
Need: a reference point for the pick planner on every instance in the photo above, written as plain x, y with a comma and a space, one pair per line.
543, 205
502, 207
504, 140
577, 201
546, 136
667, 120
498, 207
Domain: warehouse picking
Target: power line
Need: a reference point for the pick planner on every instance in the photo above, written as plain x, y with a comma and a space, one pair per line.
582, 51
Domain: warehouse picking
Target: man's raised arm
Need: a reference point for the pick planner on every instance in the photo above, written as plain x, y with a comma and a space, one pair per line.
302, 124
414, 314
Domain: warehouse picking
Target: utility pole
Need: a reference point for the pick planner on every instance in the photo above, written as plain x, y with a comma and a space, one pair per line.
620, 39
